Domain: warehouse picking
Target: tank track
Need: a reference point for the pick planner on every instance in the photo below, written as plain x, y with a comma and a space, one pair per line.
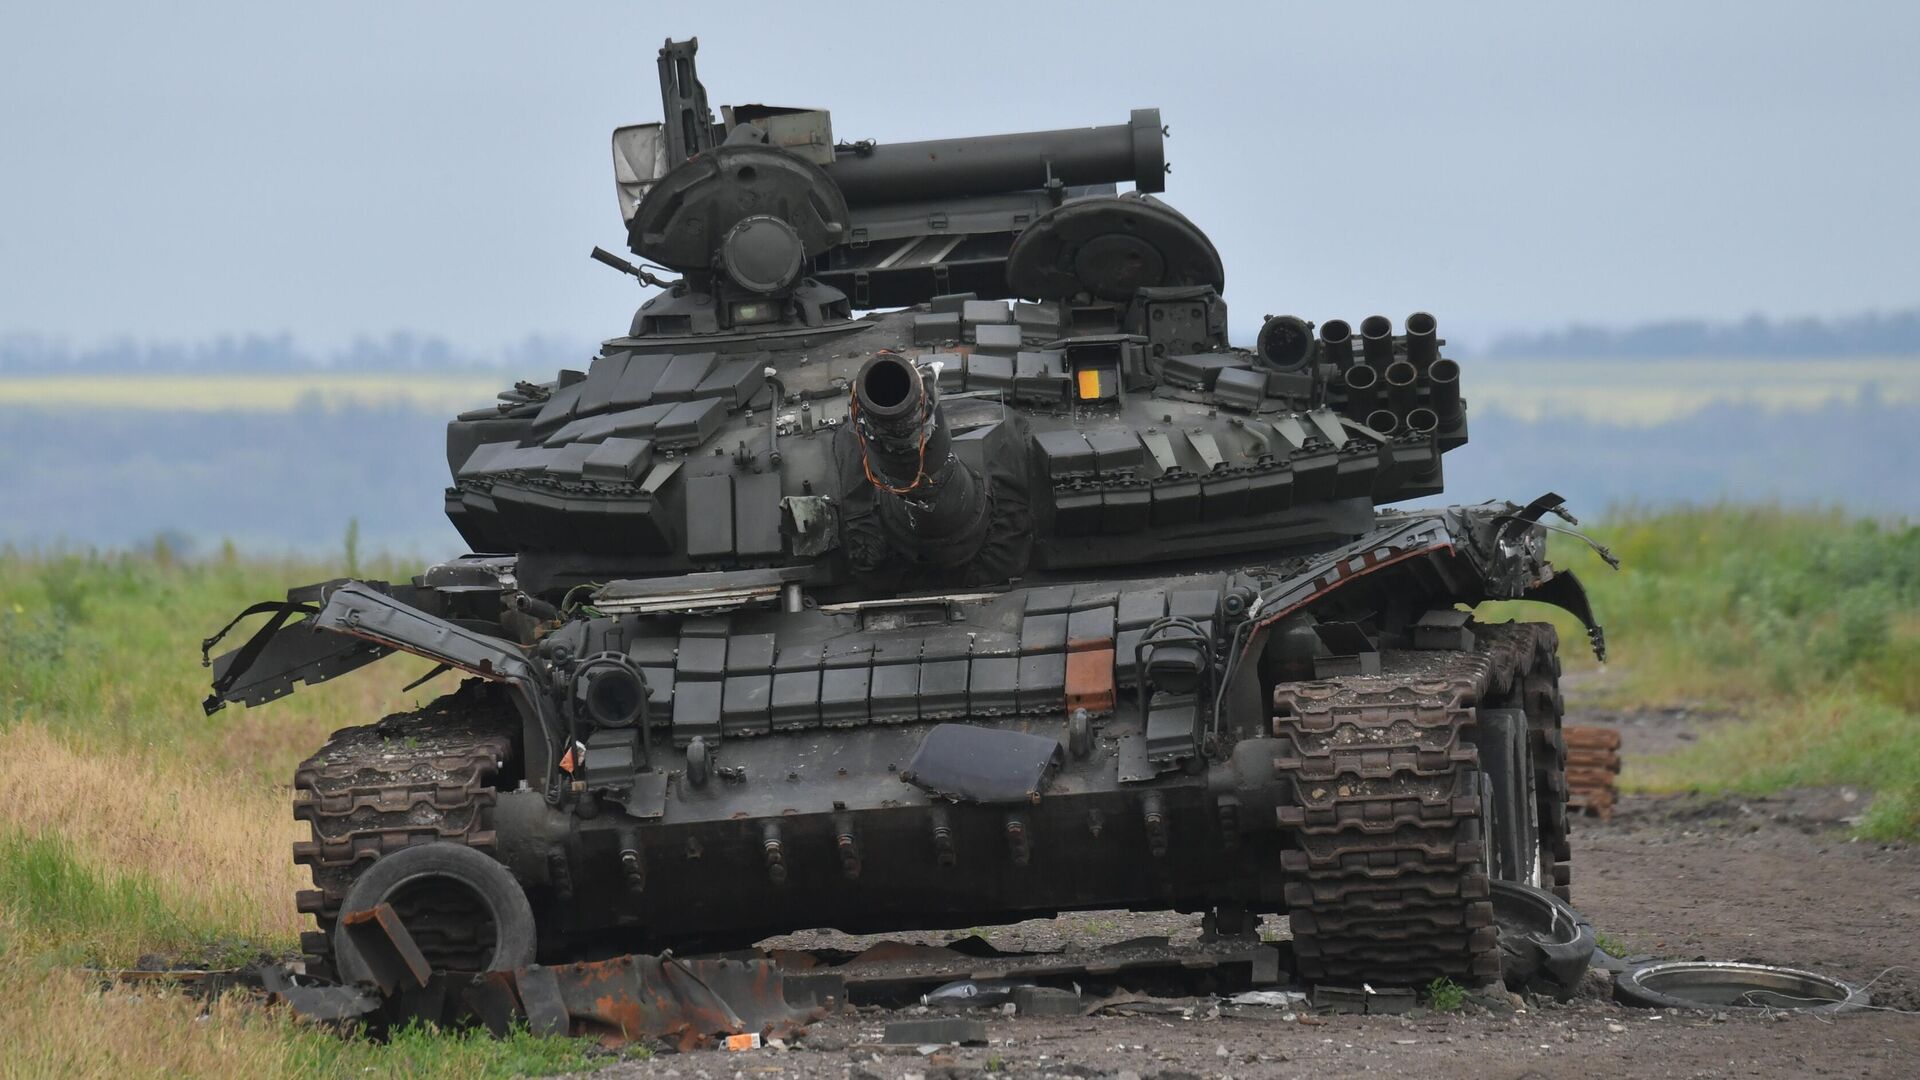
424, 776
1538, 688
1389, 876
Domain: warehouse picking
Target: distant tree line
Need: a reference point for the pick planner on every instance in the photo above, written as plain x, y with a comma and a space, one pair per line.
1872, 334
31, 354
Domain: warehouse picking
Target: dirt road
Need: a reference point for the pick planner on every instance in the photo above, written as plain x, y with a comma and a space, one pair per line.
1772, 879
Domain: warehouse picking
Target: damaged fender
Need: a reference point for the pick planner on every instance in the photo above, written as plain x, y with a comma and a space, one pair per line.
358, 622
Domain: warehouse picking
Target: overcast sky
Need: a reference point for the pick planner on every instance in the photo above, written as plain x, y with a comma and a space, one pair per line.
182, 170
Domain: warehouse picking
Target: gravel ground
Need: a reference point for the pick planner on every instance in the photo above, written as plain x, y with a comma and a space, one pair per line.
1772, 879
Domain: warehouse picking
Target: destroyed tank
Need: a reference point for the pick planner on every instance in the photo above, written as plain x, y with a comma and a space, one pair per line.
1024, 592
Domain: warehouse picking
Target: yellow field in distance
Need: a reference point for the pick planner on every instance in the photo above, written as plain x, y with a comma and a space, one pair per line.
443, 392
1637, 391
1619, 391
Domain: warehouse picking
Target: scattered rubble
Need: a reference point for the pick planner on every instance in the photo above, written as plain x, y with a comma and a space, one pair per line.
936, 999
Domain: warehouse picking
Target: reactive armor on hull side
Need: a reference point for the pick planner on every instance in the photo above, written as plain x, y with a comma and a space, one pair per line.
1034, 595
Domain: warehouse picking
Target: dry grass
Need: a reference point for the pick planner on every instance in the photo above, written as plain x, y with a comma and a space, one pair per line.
129, 1034
131, 823
61, 1024
214, 845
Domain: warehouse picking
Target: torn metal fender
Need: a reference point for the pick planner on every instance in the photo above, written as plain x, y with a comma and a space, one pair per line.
348, 624
1564, 591
1494, 551
358, 611
1426, 535
279, 657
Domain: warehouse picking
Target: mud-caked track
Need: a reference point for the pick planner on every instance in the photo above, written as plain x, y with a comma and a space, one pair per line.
424, 776
1392, 863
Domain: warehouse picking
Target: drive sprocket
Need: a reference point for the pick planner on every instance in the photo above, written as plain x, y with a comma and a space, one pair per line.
425, 776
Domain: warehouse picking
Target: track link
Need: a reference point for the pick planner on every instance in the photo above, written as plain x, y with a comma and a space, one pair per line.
1538, 688
424, 776
1390, 875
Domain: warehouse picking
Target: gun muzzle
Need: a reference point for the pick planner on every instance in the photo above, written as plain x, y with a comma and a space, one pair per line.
908, 453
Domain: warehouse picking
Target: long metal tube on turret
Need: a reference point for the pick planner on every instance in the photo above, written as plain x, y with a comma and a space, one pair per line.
992, 164
908, 453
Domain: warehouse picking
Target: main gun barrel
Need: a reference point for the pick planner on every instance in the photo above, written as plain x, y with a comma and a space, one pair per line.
907, 452
992, 164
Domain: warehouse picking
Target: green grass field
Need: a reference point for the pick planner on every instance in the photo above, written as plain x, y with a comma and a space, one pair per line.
131, 824
1804, 626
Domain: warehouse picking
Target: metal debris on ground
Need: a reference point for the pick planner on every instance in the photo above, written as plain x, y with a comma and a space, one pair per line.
1363, 999
1545, 945
1593, 769
937, 1031
689, 1002
1046, 1001
768, 997
972, 992
1719, 985
1285, 999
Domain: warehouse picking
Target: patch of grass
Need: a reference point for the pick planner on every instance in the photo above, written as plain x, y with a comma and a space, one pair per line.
213, 846
63, 1024
1805, 625
1610, 945
1836, 738
132, 823
78, 912
1445, 995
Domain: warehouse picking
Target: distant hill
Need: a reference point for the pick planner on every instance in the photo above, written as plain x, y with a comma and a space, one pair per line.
1872, 334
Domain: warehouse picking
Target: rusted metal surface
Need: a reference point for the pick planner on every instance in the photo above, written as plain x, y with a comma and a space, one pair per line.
1090, 681
689, 1002
1593, 769
699, 1002
391, 955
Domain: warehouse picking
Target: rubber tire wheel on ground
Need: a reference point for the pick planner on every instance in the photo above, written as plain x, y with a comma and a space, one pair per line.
1629, 990
1553, 954
514, 936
